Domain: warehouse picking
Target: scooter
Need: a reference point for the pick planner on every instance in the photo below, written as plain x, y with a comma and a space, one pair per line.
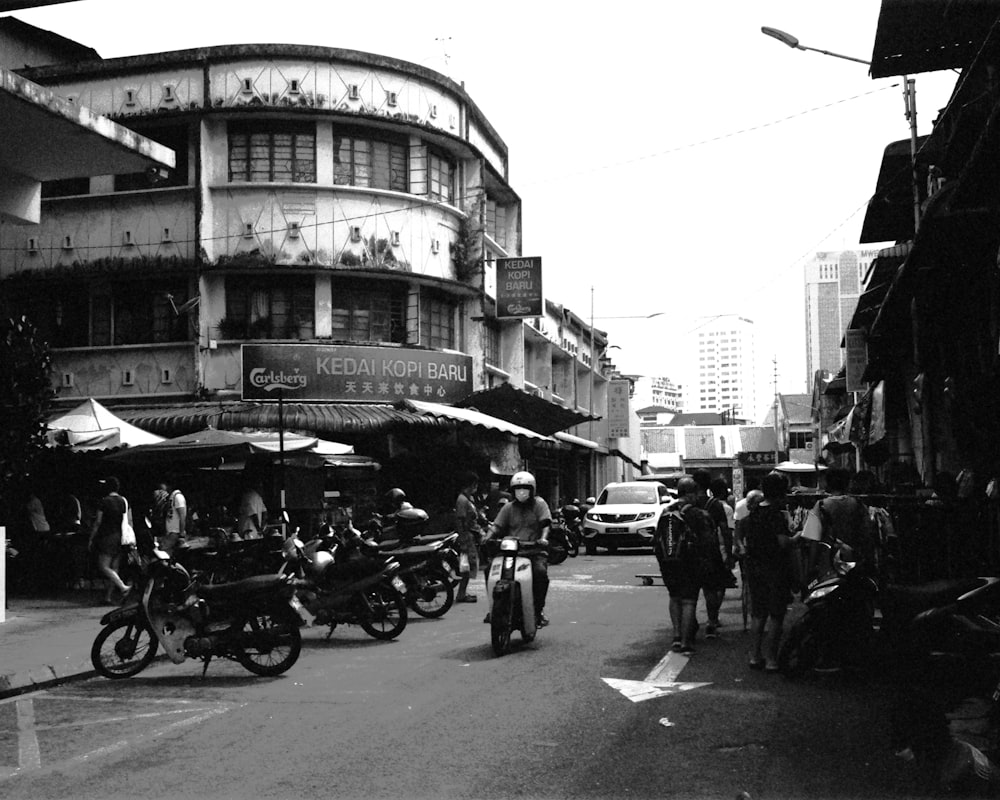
253, 622
336, 586
509, 587
836, 628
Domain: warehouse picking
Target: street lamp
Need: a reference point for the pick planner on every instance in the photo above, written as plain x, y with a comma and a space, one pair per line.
909, 99
791, 41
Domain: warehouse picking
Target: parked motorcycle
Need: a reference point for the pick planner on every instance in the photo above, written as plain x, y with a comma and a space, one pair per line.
427, 571
338, 584
253, 622
407, 527
836, 628
509, 586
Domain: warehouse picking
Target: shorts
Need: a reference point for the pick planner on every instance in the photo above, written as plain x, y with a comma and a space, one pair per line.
682, 584
769, 595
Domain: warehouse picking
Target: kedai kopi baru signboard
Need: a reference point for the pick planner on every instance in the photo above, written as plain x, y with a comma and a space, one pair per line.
348, 373
519, 287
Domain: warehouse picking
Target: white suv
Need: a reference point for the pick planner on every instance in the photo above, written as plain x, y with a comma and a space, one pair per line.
626, 515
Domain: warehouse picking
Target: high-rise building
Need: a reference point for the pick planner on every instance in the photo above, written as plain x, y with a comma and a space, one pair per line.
833, 284
657, 391
724, 378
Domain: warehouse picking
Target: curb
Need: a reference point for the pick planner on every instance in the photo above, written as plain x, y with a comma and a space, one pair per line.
18, 683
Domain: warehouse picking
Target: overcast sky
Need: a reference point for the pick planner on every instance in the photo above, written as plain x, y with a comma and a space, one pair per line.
668, 155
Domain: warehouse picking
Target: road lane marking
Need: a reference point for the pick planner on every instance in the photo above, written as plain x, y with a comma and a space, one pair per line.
29, 757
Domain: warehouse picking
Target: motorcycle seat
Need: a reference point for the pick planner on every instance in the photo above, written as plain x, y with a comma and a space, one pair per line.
403, 550
258, 583
908, 601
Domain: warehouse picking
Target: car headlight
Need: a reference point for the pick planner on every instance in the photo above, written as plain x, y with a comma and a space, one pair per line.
645, 515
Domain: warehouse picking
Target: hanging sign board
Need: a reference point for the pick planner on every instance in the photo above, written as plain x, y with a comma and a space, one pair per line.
359, 374
618, 417
857, 359
519, 287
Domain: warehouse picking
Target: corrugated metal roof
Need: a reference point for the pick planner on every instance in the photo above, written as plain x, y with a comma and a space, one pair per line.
328, 420
757, 439
472, 417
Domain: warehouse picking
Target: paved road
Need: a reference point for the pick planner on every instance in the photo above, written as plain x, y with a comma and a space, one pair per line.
586, 711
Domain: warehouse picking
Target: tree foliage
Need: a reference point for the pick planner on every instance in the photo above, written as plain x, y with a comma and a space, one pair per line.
25, 394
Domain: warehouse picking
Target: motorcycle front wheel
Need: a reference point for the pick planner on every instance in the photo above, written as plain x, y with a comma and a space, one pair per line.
270, 643
799, 652
500, 625
557, 553
383, 613
433, 595
123, 649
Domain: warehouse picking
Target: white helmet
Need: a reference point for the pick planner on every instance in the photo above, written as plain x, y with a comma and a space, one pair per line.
523, 480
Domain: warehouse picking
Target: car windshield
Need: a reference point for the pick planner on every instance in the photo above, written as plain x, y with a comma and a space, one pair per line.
623, 495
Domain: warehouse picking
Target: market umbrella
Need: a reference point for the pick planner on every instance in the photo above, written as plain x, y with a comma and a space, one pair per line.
211, 447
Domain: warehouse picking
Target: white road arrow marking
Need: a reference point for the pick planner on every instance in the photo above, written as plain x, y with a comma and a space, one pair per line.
660, 682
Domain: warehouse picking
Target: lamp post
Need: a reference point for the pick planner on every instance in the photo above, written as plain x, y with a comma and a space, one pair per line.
909, 100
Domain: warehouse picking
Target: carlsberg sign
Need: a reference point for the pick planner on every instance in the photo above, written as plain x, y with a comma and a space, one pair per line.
346, 373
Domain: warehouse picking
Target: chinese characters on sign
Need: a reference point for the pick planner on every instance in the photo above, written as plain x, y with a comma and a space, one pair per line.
757, 458
519, 287
857, 359
618, 427
306, 372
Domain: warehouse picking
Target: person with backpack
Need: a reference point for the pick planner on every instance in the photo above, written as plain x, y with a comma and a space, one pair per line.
176, 518
684, 539
841, 521
767, 534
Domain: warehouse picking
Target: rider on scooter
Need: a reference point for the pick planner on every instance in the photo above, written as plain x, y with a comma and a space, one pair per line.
528, 518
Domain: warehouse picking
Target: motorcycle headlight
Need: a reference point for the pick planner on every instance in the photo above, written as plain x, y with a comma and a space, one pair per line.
508, 545
822, 592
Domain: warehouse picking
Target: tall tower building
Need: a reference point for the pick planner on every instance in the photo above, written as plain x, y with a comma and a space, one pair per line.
724, 377
833, 283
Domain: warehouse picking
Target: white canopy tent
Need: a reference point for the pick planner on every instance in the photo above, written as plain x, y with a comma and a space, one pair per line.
90, 426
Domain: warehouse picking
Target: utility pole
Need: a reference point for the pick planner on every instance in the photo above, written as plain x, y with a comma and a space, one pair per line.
777, 436
910, 101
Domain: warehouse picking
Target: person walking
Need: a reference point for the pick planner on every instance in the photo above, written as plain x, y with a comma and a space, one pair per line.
684, 536
469, 535
718, 577
158, 509
177, 518
106, 537
767, 534
839, 520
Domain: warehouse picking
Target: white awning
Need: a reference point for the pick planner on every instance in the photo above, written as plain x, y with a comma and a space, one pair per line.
569, 438
474, 418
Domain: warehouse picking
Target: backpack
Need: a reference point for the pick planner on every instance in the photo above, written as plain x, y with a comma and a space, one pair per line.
676, 543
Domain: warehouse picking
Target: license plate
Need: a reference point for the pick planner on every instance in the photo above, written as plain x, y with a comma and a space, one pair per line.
617, 530
398, 585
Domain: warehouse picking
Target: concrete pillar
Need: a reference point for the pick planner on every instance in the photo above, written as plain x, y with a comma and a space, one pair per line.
3, 576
